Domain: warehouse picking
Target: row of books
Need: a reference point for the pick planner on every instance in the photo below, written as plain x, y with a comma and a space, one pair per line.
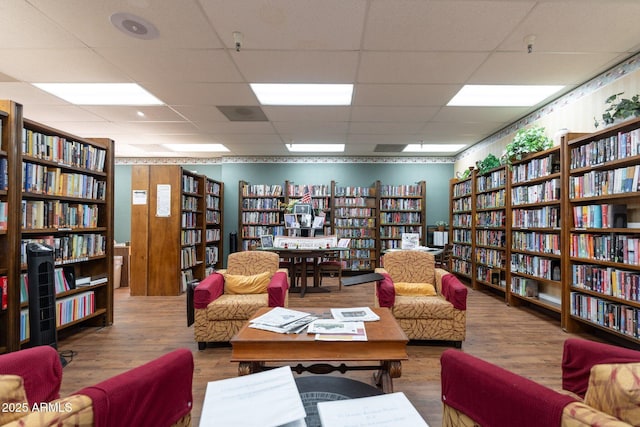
548, 191
4, 175
524, 287
461, 205
401, 204
619, 317
4, 212
261, 218
607, 247
211, 255
462, 251
543, 217
495, 199
212, 202
597, 216
190, 184
462, 236
189, 219
69, 248
536, 242
620, 146
38, 214
353, 212
605, 182
412, 190
64, 280
355, 222
188, 257
461, 266
534, 265
495, 179
619, 283
39, 179
190, 203
355, 191
400, 218
490, 219
395, 231
262, 190
462, 189
535, 168
251, 231
462, 220
60, 150
318, 190
186, 279
491, 237
190, 237
490, 257
351, 201
356, 232
212, 234
261, 203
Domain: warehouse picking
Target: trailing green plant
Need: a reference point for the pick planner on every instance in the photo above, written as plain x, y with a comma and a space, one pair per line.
527, 140
441, 224
488, 163
619, 109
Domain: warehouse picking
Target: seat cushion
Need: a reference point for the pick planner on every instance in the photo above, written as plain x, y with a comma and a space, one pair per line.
615, 389
236, 307
414, 289
254, 284
411, 307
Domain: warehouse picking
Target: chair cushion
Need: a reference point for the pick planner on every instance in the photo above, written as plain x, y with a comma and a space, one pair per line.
255, 284
411, 307
236, 307
14, 398
615, 390
415, 289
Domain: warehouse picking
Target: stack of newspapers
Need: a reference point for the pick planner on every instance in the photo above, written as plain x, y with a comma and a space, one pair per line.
283, 321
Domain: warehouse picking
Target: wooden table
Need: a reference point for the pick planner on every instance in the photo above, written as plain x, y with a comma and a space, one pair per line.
386, 345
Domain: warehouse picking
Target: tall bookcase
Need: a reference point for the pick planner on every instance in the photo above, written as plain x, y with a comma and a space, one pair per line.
260, 213
169, 228
461, 226
60, 193
355, 213
535, 237
491, 198
602, 271
402, 210
214, 204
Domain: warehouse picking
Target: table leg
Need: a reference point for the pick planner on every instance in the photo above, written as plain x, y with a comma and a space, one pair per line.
389, 369
246, 368
303, 278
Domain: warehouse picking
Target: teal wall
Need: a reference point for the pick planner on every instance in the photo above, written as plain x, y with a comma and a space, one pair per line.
436, 176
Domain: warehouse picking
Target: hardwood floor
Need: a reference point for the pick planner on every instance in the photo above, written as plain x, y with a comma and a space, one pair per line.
518, 339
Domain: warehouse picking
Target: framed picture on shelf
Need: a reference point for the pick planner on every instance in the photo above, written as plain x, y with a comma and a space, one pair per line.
266, 241
305, 220
318, 222
291, 221
302, 209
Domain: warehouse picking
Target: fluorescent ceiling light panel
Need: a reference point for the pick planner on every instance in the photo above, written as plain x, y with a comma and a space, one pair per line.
100, 93
197, 148
316, 148
433, 148
502, 95
303, 94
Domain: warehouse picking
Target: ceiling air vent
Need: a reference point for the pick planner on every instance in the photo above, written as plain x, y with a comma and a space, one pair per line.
238, 113
389, 148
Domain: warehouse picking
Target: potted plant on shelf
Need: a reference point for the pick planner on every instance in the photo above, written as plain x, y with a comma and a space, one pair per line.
441, 225
488, 163
619, 109
527, 140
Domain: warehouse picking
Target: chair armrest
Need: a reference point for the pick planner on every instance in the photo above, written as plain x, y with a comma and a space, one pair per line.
385, 290
154, 394
208, 290
579, 355
40, 370
495, 397
454, 291
380, 270
73, 410
278, 288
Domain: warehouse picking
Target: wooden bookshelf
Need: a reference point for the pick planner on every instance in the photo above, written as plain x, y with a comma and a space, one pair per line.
491, 200
192, 229
461, 226
64, 198
355, 214
402, 210
260, 213
602, 268
214, 204
535, 235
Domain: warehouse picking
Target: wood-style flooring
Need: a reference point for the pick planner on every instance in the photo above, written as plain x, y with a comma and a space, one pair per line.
519, 339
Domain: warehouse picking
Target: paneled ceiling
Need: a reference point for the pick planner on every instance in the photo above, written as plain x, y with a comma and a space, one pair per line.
406, 58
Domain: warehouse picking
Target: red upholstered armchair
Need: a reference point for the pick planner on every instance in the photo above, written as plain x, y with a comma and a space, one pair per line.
226, 299
429, 303
158, 393
475, 392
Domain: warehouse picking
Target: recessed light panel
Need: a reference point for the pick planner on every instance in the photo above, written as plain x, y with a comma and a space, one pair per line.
197, 148
303, 94
316, 148
100, 93
433, 148
502, 95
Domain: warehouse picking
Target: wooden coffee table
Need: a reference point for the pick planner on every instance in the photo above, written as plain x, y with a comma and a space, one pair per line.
386, 345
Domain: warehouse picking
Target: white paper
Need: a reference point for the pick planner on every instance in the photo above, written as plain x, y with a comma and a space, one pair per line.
387, 410
410, 240
265, 399
280, 316
163, 204
362, 314
332, 326
139, 197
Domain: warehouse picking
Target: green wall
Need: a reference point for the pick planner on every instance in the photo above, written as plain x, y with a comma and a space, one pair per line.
436, 176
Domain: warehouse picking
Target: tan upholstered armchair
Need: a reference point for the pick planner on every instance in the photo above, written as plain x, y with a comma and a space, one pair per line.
429, 303
226, 299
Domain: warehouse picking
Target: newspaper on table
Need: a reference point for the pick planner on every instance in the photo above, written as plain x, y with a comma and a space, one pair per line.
354, 314
282, 320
